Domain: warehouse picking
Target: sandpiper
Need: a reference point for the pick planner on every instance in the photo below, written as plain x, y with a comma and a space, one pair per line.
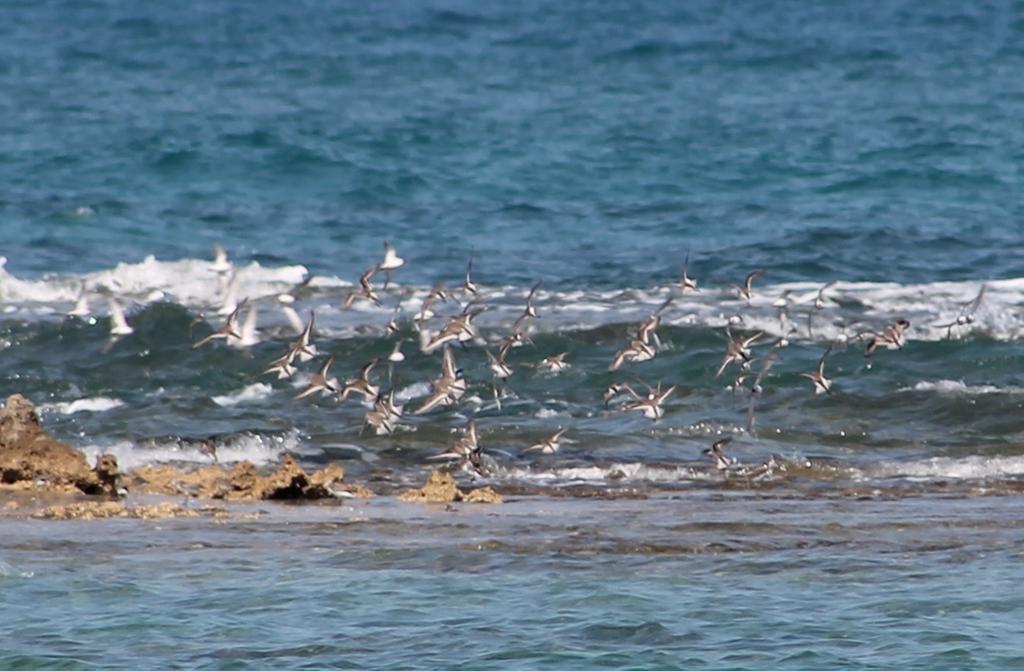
819, 305
81, 308
365, 290
687, 282
615, 389
822, 385
208, 447
321, 382
892, 337
230, 290
717, 453
393, 327
647, 329
304, 347
737, 350
282, 365
247, 333
459, 328
384, 415
118, 324
228, 330
636, 351
361, 383
555, 363
651, 407
549, 445
468, 286
465, 451
499, 367
437, 293
446, 389
220, 264
529, 312
392, 262
756, 389
746, 292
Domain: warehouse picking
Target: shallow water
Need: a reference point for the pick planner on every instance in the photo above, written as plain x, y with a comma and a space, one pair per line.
695, 581
590, 147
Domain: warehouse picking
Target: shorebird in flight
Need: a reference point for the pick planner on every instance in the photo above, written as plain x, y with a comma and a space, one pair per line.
446, 389
228, 330
549, 445
687, 282
746, 292
392, 262
822, 385
737, 350
365, 291
361, 383
717, 453
651, 407
892, 337
321, 382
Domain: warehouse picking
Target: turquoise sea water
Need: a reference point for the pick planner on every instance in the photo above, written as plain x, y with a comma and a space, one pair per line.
592, 147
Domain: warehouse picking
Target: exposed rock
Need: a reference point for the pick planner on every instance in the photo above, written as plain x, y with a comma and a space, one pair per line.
30, 454
483, 495
94, 510
242, 482
441, 488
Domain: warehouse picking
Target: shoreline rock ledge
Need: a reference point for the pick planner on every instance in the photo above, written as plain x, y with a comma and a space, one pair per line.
31, 457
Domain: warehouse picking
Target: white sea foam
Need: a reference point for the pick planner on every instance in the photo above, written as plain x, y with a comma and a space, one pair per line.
412, 391
852, 307
252, 392
959, 387
616, 472
97, 404
959, 468
256, 448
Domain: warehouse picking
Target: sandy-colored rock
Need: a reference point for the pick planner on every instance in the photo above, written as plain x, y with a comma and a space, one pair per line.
483, 495
243, 482
441, 488
29, 454
95, 510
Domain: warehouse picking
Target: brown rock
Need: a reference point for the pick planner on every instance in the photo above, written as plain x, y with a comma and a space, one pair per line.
28, 453
94, 510
483, 495
441, 488
242, 482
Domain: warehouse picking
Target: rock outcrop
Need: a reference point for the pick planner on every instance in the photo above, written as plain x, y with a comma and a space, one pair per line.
29, 456
441, 488
243, 482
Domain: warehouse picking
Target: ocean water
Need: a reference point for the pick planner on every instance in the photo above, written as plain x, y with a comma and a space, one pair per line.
594, 148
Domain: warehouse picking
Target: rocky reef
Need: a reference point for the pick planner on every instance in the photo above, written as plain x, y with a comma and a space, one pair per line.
31, 460
441, 488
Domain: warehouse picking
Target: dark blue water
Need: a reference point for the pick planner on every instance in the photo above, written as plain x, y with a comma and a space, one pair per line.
591, 146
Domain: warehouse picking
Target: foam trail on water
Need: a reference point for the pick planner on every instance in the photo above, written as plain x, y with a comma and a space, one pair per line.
259, 449
252, 392
97, 404
850, 307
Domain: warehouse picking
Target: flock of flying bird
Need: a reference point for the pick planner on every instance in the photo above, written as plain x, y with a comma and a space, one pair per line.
459, 330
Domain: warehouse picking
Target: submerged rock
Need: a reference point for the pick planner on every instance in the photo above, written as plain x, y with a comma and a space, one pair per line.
441, 488
31, 457
95, 510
